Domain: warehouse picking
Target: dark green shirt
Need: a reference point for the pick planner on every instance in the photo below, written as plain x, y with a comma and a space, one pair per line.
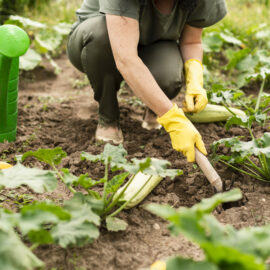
153, 24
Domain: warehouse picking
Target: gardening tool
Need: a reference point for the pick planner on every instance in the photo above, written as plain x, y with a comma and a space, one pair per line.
208, 170
14, 42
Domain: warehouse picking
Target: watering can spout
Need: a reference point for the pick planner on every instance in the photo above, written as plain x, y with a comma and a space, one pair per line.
14, 43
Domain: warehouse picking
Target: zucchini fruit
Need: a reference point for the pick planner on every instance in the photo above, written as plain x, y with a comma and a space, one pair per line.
213, 113
141, 182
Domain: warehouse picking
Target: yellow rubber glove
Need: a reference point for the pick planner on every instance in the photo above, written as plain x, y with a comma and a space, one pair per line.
4, 165
184, 135
158, 265
196, 97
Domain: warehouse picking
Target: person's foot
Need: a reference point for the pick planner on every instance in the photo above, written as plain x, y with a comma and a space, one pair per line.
109, 133
149, 120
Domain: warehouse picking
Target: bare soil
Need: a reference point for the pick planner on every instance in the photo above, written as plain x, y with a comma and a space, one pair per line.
52, 113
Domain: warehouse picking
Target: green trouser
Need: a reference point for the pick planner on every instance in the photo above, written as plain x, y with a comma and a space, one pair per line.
89, 51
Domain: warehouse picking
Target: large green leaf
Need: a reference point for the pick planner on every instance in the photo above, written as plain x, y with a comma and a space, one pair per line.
48, 40
38, 180
62, 28
232, 258
114, 184
26, 22
178, 263
49, 156
224, 246
14, 255
30, 60
81, 228
235, 57
212, 42
33, 216
115, 155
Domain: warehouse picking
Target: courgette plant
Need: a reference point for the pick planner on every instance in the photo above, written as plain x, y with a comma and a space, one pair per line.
224, 247
75, 221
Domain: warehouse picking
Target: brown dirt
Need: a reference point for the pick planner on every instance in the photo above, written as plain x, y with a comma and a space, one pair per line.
53, 113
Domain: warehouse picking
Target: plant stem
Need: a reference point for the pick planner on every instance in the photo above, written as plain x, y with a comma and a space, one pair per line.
34, 246
264, 165
266, 110
260, 96
112, 195
106, 182
109, 208
251, 133
255, 166
244, 172
248, 168
61, 177
228, 109
127, 202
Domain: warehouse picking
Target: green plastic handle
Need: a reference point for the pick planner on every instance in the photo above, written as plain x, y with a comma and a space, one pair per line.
14, 42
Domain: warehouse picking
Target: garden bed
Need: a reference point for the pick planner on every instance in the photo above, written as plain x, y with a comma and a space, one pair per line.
52, 113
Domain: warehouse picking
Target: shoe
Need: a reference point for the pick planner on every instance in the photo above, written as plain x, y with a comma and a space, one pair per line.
149, 120
109, 134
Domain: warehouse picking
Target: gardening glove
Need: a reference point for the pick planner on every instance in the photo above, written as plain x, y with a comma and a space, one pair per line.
184, 136
196, 97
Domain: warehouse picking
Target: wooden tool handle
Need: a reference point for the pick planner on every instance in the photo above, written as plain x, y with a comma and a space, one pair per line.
208, 170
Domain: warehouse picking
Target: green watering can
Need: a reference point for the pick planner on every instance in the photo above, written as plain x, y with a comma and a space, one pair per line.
14, 42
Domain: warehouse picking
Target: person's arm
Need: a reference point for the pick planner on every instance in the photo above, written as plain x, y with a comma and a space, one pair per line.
192, 54
124, 37
191, 43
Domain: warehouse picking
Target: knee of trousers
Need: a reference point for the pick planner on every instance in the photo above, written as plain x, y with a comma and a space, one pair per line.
171, 86
89, 45
96, 51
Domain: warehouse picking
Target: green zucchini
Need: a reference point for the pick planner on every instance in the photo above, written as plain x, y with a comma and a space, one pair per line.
213, 113
141, 181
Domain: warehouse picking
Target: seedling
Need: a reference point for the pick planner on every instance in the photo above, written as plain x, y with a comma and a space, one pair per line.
77, 222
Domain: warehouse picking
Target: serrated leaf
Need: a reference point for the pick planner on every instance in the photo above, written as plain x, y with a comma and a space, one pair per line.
115, 155
38, 180
228, 38
47, 40
69, 178
208, 205
75, 232
243, 121
49, 156
114, 224
231, 258
212, 42
30, 60
26, 22
41, 237
81, 228
137, 165
114, 184
33, 216
62, 28
178, 263
77, 207
14, 255
235, 56
159, 167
